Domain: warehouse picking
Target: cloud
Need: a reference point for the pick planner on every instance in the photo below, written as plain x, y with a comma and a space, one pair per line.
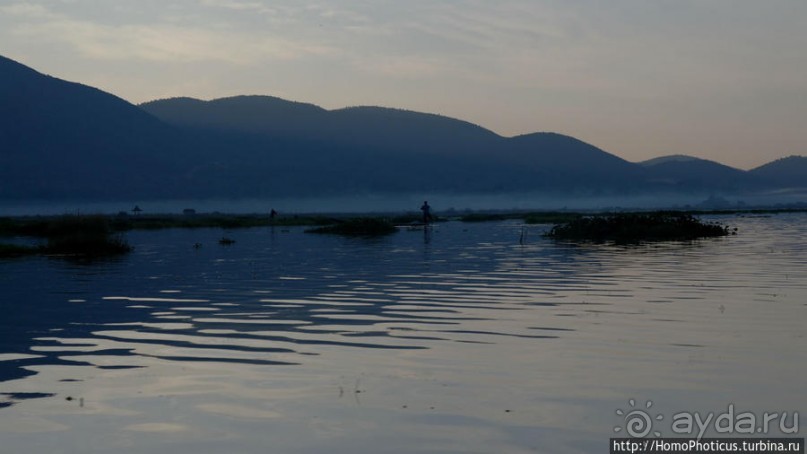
158, 42
589, 68
239, 5
25, 9
408, 67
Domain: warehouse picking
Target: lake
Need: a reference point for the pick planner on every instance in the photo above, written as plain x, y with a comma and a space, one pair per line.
470, 338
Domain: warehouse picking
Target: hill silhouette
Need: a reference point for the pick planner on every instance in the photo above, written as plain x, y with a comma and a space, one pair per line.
249, 114
413, 150
381, 128
789, 172
668, 158
688, 173
565, 162
64, 140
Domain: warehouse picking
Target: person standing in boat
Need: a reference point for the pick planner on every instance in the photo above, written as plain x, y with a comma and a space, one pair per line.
427, 212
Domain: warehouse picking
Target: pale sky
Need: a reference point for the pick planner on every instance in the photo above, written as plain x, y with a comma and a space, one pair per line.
719, 79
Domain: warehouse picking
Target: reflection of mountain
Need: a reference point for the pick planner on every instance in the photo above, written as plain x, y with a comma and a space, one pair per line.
62, 140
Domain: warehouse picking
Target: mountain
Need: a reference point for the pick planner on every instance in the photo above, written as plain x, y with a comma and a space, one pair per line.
556, 161
790, 172
668, 158
384, 129
280, 147
687, 173
62, 140
249, 114
414, 150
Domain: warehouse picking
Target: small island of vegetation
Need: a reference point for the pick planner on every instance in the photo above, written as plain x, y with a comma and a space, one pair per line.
70, 236
358, 227
93, 236
534, 217
638, 227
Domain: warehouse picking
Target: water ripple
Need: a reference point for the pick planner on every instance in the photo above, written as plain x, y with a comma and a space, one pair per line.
463, 320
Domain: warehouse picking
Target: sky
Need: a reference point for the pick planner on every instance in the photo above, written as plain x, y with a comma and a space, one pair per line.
724, 80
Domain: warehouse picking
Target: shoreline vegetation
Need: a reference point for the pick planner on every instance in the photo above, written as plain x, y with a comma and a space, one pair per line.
101, 235
626, 228
69, 236
358, 227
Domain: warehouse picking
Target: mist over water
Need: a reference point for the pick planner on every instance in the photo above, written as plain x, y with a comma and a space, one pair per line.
460, 339
386, 203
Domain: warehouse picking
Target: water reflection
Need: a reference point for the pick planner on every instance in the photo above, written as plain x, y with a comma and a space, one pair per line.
468, 327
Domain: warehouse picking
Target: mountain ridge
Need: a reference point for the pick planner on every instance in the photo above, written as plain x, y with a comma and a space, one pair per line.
790, 171
45, 122
667, 158
62, 140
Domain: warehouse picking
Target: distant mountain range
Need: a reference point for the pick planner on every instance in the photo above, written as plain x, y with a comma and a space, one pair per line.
61, 140
689, 173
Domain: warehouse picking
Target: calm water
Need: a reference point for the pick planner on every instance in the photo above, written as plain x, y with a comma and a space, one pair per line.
459, 340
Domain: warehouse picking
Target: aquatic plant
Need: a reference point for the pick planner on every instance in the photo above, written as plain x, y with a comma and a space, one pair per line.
89, 236
27, 226
16, 250
551, 217
485, 217
358, 227
225, 221
541, 217
637, 227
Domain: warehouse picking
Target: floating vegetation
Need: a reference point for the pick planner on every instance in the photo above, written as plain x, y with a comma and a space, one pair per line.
638, 227
43, 226
16, 250
81, 236
358, 227
225, 221
551, 217
541, 217
89, 236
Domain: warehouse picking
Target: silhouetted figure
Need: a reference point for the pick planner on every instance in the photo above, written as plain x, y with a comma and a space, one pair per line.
272, 215
427, 212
